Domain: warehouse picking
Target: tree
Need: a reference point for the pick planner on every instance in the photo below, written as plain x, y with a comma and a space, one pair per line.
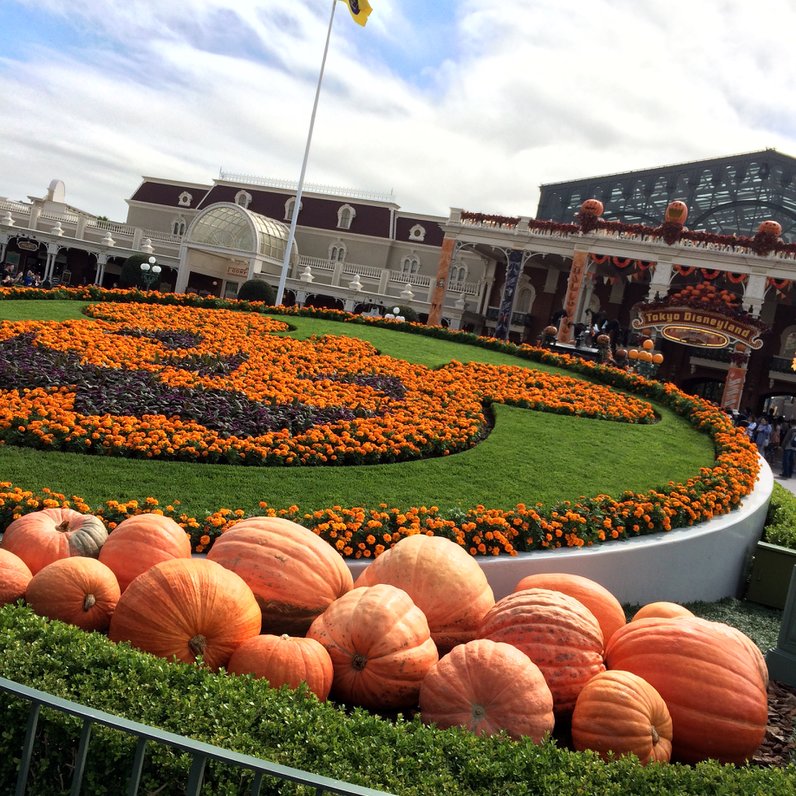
256, 290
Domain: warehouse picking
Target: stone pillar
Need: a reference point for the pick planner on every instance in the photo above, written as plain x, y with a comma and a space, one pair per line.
102, 261
754, 294
513, 271
52, 253
440, 286
572, 298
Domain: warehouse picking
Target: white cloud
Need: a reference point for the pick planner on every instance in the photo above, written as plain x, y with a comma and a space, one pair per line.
465, 104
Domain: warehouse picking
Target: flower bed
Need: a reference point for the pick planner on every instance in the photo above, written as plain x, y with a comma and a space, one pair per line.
427, 413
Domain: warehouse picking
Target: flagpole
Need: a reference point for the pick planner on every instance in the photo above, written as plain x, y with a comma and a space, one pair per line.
291, 236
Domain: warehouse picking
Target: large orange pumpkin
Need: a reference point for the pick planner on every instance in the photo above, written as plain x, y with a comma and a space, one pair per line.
557, 632
41, 537
185, 608
77, 590
606, 608
662, 610
294, 574
14, 577
707, 677
619, 713
380, 645
444, 582
141, 541
488, 686
285, 660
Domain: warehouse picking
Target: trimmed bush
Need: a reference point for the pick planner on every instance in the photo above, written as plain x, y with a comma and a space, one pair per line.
401, 756
256, 290
131, 271
781, 520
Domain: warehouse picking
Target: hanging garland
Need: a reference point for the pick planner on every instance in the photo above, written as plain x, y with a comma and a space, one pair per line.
684, 270
621, 262
709, 274
644, 265
736, 279
599, 259
781, 285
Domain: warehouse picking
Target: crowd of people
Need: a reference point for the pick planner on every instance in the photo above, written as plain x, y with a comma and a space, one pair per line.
13, 276
775, 439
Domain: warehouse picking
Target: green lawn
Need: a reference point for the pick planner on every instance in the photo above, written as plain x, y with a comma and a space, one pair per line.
530, 456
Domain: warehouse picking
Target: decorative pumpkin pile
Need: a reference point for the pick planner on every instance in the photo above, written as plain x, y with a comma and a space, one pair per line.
420, 628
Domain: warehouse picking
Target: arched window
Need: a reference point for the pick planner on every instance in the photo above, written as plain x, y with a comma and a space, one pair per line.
458, 272
243, 198
184, 199
345, 215
337, 252
410, 265
289, 208
178, 227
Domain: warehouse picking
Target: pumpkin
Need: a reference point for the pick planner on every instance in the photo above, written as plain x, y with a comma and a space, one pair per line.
770, 227
708, 678
80, 591
606, 608
140, 542
557, 632
15, 575
592, 207
186, 608
41, 537
662, 609
380, 645
285, 660
294, 574
488, 686
444, 582
619, 713
676, 212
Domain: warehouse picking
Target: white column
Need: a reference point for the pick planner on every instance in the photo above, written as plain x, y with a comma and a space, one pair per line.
102, 261
754, 294
660, 280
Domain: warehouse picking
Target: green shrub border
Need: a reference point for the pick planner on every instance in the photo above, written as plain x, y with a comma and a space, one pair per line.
399, 755
780, 525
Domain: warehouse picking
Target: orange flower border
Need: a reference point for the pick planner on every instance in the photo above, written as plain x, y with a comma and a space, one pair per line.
358, 532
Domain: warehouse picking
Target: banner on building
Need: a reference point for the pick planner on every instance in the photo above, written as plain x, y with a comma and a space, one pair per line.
697, 327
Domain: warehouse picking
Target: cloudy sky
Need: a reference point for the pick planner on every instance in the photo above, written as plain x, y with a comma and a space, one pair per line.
447, 103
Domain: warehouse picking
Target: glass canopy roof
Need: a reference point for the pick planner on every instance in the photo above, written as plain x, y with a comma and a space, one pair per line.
230, 226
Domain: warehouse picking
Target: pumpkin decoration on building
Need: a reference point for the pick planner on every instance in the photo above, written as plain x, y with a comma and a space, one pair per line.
44, 536
294, 574
588, 217
77, 590
557, 632
766, 238
619, 713
380, 645
444, 581
711, 683
673, 221
187, 608
488, 687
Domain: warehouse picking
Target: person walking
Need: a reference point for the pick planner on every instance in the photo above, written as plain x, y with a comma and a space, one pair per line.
788, 451
762, 435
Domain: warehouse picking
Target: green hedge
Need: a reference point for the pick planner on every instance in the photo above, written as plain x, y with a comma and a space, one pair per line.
780, 525
292, 728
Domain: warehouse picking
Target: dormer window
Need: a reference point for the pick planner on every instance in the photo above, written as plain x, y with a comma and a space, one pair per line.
184, 199
243, 198
345, 216
418, 233
289, 208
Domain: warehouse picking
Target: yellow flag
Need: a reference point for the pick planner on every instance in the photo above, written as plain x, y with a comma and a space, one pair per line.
360, 10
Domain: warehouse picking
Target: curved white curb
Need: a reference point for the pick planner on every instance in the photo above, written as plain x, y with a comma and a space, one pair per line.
703, 562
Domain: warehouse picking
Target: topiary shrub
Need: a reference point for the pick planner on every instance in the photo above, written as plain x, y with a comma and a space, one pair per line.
408, 313
131, 271
256, 290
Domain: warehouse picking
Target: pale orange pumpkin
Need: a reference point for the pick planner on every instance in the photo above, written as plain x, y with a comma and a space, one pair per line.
285, 660
619, 713
77, 590
661, 609
444, 582
14, 577
592, 207
488, 687
770, 227
380, 645
708, 678
141, 541
557, 632
606, 608
186, 608
41, 537
294, 574
676, 212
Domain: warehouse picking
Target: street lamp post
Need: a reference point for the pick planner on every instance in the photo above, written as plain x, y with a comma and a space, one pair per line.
150, 273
